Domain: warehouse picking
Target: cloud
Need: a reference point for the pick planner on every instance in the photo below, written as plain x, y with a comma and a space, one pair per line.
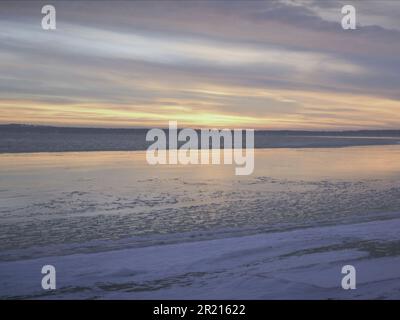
226, 63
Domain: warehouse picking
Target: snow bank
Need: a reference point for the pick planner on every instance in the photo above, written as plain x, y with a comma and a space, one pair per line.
304, 264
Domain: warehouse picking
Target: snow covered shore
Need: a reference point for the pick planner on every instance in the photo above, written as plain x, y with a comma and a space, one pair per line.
298, 264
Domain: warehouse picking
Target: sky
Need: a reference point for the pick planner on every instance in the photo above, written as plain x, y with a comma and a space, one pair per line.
284, 64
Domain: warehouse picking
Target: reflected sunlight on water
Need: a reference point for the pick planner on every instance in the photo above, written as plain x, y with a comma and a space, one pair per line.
370, 161
66, 198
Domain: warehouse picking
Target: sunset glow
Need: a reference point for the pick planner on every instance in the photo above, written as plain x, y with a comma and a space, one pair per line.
142, 64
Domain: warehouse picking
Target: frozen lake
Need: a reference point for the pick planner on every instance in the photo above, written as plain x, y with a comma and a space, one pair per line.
111, 214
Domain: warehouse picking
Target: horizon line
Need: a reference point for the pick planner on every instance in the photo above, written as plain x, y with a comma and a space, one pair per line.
2, 125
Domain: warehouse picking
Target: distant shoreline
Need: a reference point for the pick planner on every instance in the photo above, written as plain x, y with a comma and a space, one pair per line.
32, 139
63, 129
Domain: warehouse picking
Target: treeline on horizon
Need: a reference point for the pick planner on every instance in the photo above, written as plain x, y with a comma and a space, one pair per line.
27, 128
